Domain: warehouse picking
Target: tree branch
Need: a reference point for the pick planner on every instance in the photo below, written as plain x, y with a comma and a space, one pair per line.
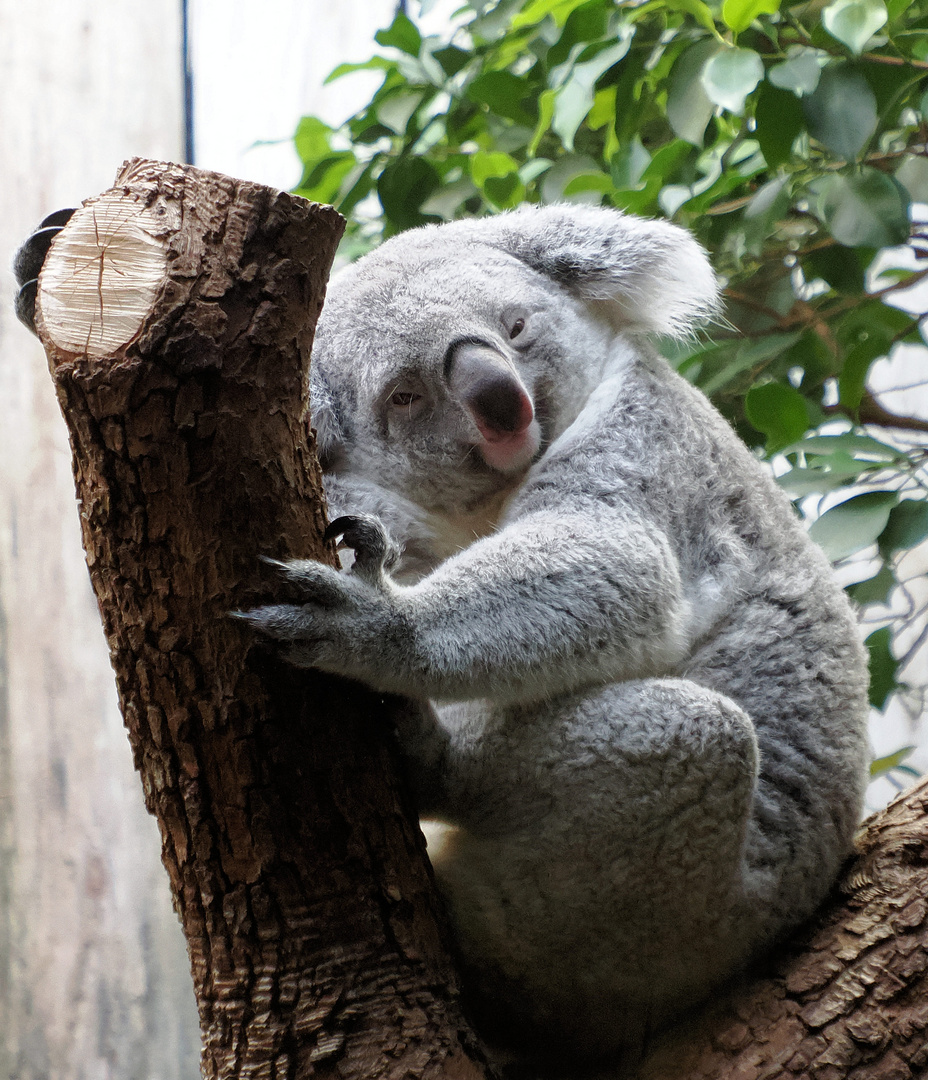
846, 998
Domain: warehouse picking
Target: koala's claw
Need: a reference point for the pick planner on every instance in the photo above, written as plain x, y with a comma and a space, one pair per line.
28, 263
374, 551
317, 583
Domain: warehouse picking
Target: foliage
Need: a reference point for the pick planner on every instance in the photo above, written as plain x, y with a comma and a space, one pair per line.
789, 136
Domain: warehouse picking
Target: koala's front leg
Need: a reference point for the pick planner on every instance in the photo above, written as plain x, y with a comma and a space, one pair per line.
548, 605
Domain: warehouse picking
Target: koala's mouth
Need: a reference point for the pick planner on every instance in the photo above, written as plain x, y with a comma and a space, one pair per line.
509, 451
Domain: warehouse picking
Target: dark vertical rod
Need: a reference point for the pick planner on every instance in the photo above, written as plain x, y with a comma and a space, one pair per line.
189, 142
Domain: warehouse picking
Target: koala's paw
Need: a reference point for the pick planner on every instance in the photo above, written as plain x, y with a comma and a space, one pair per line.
336, 620
28, 262
374, 552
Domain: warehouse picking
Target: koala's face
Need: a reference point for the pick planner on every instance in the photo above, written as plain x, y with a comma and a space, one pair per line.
449, 369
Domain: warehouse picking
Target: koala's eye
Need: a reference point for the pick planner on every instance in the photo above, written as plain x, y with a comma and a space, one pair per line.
404, 398
517, 327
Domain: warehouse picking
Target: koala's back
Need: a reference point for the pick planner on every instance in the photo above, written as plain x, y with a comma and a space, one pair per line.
770, 655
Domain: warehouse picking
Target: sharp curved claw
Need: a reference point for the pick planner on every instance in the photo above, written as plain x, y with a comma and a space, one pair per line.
364, 534
24, 303
28, 261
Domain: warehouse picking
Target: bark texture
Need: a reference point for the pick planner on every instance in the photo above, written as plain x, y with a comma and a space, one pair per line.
297, 866
847, 999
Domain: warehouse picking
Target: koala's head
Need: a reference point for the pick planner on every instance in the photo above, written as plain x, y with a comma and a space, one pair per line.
446, 360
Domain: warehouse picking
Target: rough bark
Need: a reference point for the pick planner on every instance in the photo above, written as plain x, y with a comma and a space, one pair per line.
847, 998
177, 313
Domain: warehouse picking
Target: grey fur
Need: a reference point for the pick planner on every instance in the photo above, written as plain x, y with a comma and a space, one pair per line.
649, 742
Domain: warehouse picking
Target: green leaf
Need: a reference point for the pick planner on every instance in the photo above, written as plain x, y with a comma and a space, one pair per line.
536, 10
907, 526
874, 590
322, 180
852, 382
854, 22
689, 108
556, 179
882, 765
730, 76
777, 411
767, 206
311, 139
865, 208
828, 474
859, 446
396, 110
376, 63
403, 187
853, 524
503, 93
586, 24
452, 59
497, 174
545, 114
628, 164
837, 265
842, 112
883, 666
741, 356
800, 72
739, 14
913, 175
700, 11
598, 181
779, 120
574, 98
484, 165
401, 34
504, 192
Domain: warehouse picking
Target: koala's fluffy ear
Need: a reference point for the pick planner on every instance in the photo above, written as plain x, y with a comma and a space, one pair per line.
651, 275
324, 416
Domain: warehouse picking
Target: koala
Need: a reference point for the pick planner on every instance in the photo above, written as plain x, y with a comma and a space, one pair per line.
639, 695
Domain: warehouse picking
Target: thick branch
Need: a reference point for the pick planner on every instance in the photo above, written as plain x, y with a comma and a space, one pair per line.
845, 1000
177, 311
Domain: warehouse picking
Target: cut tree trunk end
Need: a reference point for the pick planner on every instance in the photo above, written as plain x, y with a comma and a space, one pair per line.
177, 311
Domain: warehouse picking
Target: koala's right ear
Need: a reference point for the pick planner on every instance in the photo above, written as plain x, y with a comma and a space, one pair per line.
649, 275
325, 418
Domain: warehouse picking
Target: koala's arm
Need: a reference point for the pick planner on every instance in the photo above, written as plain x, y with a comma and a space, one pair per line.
549, 604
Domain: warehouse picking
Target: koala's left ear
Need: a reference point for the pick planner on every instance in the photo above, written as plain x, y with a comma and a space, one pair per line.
651, 275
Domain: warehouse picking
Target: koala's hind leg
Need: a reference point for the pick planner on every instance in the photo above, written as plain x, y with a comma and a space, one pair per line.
620, 899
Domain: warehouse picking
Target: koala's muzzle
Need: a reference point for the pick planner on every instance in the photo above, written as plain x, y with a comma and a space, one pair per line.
482, 380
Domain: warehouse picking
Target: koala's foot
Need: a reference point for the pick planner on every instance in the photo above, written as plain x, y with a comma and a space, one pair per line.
28, 262
374, 552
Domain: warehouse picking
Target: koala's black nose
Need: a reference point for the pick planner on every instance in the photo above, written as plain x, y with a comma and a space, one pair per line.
484, 381
501, 404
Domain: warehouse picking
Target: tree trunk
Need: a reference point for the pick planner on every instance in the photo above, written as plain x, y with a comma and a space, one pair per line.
177, 312
847, 998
